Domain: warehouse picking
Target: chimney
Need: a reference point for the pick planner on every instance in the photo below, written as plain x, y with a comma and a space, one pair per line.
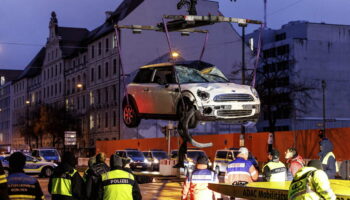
108, 14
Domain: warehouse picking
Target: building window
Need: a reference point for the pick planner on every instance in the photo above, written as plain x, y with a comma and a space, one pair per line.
92, 51
84, 101
282, 50
114, 66
78, 103
60, 68
92, 74
106, 120
55, 70
73, 85
99, 48
114, 93
84, 59
55, 89
92, 100
107, 44
52, 72
280, 37
106, 69
51, 90
99, 72
98, 96
106, 93
114, 41
98, 121
114, 118
92, 122
59, 88
2, 80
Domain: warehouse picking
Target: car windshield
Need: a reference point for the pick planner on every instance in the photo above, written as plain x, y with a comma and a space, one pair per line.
48, 153
221, 154
206, 75
160, 155
195, 154
134, 154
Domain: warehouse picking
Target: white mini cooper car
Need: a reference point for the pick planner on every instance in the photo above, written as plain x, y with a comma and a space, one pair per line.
157, 92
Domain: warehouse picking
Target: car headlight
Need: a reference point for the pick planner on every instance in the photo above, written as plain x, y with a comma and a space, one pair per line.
145, 161
255, 93
203, 95
156, 161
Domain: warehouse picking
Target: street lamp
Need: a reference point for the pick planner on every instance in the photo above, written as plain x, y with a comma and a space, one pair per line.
323, 83
79, 85
27, 123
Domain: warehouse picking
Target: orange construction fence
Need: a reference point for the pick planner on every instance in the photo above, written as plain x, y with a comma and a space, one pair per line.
305, 141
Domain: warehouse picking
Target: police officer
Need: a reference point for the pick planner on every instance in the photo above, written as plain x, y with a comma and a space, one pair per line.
327, 158
311, 182
241, 170
196, 184
97, 169
118, 184
274, 170
65, 182
20, 185
3, 183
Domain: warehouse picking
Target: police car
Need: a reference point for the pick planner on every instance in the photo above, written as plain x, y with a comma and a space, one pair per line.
224, 156
33, 166
154, 156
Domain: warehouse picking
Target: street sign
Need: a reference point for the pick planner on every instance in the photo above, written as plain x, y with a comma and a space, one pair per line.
70, 138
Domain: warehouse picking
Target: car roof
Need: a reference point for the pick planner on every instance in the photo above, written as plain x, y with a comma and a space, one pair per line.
197, 64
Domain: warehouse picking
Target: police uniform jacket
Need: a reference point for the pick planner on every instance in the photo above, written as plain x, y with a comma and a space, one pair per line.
66, 183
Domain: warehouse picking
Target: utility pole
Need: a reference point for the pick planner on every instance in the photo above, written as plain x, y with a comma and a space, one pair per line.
243, 25
323, 82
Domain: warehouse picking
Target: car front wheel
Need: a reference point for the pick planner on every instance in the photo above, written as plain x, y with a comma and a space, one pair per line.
46, 172
130, 115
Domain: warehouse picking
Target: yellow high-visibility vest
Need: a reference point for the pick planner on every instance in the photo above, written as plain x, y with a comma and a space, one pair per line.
63, 185
278, 171
117, 184
325, 160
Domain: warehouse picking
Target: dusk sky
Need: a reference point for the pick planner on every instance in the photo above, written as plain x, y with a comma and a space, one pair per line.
24, 23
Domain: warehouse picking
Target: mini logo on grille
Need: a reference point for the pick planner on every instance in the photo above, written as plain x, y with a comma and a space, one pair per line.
233, 90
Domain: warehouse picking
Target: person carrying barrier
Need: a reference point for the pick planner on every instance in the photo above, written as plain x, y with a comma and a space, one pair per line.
196, 184
327, 158
118, 184
274, 170
294, 162
3, 183
65, 182
241, 170
311, 182
20, 185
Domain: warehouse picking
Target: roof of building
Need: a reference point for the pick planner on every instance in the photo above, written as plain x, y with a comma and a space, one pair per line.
123, 10
72, 40
10, 74
34, 67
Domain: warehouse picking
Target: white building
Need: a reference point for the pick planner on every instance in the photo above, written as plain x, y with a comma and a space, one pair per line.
315, 52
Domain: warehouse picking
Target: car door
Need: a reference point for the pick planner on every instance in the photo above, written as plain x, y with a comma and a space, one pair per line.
163, 91
140, 91
32, 165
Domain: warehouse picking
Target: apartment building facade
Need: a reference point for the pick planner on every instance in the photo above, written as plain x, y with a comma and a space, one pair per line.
310, 53
81, 69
